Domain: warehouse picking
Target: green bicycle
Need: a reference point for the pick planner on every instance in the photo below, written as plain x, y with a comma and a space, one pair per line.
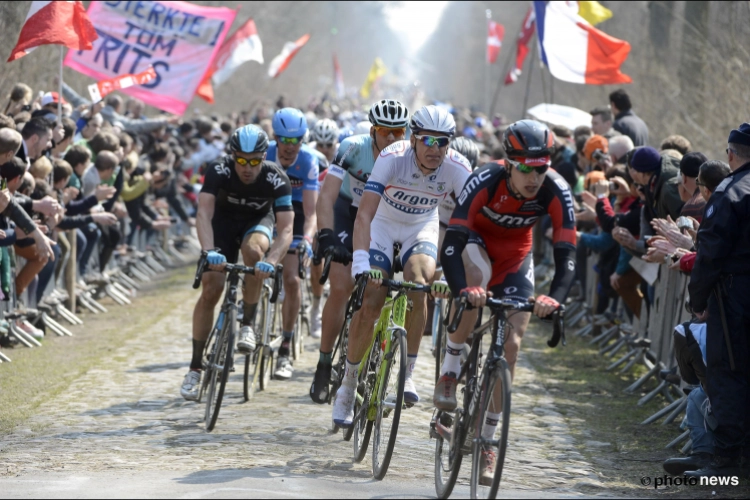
381, 380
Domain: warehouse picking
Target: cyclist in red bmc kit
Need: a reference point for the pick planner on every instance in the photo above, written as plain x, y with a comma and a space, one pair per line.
493, 221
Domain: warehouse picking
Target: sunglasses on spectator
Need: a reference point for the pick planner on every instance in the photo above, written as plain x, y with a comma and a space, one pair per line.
431, 140
527, 169
290, 140
732, 150
386, 131
254, 162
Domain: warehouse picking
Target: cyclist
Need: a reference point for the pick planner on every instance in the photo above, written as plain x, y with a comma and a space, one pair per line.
243, 195
300, 163
411, 178
325, 133
337, 210
493, 221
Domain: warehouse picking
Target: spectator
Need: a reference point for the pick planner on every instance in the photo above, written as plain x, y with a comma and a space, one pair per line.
626, 121
69, 130
41, 168
37, 135
601, 123
619, 146
690, 166
718, 295
102, 171
10, 143
88, 127
19, 100
7, 122
595, 151
677, 142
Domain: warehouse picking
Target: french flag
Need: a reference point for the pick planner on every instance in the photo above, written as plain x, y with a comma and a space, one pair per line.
573, 50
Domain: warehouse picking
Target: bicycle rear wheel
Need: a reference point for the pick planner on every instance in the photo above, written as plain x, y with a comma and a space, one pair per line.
438, 330
251, 381
362, 425
220, 365
390, 401
206, 363
495, 399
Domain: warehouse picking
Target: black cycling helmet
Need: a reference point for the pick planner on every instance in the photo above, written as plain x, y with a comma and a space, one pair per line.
529, 140
468, 149
249, 139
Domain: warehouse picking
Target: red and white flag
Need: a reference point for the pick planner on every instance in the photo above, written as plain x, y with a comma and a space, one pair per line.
100, 89
495, 34
280, 62
58, 23
528, 28
243, 46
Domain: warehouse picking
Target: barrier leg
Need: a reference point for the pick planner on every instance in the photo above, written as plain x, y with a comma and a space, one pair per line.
651, 395
682, 437
638, 383
664, 411
676, 413
622, 360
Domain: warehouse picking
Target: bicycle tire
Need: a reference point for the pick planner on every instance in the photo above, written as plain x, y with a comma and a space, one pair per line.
266, 367
362, 426
252, 361
386, 438
205, 364
446, 471
500, 374
440, 339
222, 356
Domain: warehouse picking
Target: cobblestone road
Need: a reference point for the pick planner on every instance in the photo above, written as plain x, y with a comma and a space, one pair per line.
126, 416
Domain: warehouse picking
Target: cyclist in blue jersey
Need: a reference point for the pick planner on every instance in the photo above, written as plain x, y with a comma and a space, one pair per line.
337, 210
243, 196
301, 166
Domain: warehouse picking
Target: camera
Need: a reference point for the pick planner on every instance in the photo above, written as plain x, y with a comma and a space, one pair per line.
613, 186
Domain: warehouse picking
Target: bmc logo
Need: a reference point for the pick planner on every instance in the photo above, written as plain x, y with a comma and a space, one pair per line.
508, 220
472, 183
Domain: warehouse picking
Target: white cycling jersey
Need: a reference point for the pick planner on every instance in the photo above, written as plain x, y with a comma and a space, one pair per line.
410, 196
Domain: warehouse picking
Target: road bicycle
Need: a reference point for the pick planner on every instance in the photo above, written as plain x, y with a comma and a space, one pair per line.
439, 337
487, 389
218, 355
381, 378
302, 326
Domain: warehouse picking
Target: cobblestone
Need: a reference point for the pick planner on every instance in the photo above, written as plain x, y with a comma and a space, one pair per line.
127, 415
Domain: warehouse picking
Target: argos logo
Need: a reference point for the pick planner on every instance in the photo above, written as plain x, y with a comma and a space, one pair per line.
414, 200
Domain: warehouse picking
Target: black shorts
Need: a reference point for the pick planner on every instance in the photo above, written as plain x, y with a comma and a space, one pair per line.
344, 215
229, 231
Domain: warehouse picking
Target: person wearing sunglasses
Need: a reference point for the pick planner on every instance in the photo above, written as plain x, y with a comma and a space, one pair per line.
242, 198
325, 133
400, 205
300, 162
337, 211
493, 222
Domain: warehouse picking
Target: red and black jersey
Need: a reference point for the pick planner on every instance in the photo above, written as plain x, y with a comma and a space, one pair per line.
487, 207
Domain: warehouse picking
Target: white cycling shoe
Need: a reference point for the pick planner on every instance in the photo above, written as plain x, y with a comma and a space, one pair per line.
191, 386
343, 406
284, 368
410, 392
316, 326
246, 340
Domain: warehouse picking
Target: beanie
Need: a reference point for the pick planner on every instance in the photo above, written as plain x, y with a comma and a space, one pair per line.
646, 160
690, 165
740, 135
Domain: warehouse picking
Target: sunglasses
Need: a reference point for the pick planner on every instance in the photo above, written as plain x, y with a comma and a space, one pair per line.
699, 183
325, 146
429, 140
254, 162
290, 140
732, 150
527, 169
386, 131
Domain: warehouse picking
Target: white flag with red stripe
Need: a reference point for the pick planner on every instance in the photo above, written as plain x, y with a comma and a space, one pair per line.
495, 34
58, 23
280, 62
100, 89
243, 46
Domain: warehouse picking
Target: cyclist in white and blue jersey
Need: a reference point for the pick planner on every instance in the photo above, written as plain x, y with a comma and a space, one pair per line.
301, 166
337, 210
400, 205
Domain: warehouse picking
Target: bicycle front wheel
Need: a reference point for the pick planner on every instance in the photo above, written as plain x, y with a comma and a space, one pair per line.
448, 456
363, 423
491, 441
390, 401
252, 361
220, 366
440, 336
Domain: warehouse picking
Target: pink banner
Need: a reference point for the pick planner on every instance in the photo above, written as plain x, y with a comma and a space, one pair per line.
179, 39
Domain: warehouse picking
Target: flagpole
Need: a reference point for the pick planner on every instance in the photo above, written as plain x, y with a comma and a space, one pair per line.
488, 14
528, 82
60, 85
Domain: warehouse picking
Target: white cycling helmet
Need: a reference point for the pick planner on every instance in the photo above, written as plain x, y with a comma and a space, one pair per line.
433, 119
325, 131
389, 113
362, 128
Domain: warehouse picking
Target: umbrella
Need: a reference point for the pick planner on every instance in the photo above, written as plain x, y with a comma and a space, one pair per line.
556, 114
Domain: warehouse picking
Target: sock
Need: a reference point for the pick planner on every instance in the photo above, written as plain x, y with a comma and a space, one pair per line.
284, 348
196, 364
350, 375
411, 363
248, 313
326, 358
452, 361
315, 307
490, 424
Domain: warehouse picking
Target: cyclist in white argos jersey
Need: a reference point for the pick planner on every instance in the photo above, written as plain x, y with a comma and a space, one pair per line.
337, 210
400, 205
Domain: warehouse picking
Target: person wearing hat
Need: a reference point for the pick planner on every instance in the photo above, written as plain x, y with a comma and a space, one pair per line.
690, 192
719, 296
596, 152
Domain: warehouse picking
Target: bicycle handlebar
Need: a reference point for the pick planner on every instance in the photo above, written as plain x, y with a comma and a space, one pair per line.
329, 257
558, 328
203, 264
393, 285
